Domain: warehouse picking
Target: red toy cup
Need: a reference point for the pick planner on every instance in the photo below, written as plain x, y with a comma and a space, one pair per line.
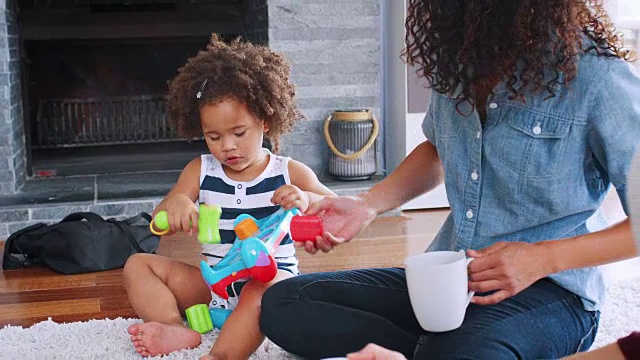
305, 228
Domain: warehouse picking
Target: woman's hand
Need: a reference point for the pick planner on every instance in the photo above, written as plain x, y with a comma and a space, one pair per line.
506, 268
290, 196
343, 217
182, 213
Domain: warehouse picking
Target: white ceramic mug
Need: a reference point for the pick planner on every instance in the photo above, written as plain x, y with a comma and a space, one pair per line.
438, 288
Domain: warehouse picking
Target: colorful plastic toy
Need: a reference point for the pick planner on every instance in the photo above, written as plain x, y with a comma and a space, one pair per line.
208, 218
251, 255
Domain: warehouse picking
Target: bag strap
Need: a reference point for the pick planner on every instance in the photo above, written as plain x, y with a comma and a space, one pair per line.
124, 226
134, 219
130, 237
79, 216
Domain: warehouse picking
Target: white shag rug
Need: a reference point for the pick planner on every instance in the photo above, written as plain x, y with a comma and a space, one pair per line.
108, 339
620, 314
98, 339
621, 311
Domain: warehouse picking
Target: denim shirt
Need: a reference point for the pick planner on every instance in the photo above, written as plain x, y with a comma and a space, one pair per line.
538, 169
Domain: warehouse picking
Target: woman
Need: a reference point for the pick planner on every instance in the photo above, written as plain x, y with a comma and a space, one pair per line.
535, 113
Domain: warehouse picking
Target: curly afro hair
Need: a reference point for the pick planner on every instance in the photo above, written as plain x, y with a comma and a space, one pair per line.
251, 74
460, 46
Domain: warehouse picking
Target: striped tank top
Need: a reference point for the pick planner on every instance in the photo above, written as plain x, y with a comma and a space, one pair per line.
237, 197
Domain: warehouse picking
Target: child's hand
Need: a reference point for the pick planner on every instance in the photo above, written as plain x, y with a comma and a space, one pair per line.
182, 213
290, 196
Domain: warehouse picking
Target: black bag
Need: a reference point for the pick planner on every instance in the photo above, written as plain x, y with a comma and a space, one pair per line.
81, 242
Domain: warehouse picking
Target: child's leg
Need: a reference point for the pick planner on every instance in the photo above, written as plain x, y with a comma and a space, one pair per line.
240, 336
159, 290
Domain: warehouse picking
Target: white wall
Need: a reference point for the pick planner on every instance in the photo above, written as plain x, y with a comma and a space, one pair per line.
626, 16
405, 101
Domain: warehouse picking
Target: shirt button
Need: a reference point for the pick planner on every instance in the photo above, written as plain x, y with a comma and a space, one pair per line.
469, 214
238, 201
537, 130
239, 186
493, 105
478, 135
474, 175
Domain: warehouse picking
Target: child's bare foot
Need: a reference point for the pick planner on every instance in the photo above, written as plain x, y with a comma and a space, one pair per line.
152, 338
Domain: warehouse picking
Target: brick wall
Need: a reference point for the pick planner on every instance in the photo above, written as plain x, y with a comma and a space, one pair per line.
12, 142
334, 48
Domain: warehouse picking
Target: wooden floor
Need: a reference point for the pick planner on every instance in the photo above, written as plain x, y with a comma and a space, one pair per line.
28, 296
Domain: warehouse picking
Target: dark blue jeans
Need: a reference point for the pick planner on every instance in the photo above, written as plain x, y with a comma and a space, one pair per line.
331, 314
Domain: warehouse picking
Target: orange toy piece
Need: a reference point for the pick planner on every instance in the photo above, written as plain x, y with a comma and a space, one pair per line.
246, 228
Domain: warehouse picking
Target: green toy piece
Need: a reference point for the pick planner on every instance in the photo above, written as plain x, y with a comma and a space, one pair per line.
161, 221
208, 218
199, 318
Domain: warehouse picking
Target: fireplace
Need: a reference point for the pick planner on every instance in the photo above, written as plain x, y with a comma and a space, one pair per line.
334, 48
96, 72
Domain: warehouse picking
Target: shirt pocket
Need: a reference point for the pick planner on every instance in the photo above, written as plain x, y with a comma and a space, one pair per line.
448, 123
532, 144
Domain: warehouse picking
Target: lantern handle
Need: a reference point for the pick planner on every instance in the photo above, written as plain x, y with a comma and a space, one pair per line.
352, 116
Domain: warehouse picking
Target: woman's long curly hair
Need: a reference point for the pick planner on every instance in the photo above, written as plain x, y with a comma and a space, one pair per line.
251, 74
461, 46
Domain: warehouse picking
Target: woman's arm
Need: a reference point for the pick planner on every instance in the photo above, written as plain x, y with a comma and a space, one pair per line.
344, 217
612, 244
420, 172
510, 267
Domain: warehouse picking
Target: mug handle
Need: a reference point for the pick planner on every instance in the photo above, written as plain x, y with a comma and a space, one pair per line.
471, 293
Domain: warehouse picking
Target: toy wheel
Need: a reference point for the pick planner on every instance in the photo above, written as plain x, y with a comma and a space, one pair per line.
265, 273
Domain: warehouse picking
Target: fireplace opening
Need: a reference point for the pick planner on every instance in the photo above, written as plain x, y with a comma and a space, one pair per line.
95, 79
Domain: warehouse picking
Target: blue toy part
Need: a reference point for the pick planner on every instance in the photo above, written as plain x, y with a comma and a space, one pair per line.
219, 316
275, 227
251, 256
231, 255
252, 252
